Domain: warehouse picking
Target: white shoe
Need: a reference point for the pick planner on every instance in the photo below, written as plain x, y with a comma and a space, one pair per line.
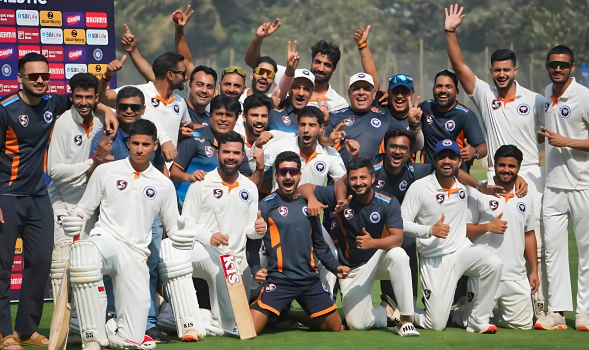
489, 329
582, 322
551, 321
407, 330
117, 342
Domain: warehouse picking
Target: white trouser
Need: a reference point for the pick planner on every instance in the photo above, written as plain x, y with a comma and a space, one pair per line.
559, 205
393, 265
535, 176
328, 278
439, 276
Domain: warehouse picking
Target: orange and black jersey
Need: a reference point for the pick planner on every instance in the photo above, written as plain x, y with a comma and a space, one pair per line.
397, 184
24, 136
291, 239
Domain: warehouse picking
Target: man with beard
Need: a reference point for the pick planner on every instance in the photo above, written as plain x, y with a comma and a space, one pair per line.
262, 77
26, 120
232, 82
372, 233
446, 119
511, 115
201, 90
505, 226
224, 195
284, 117
291, 272
567, 188
434, 211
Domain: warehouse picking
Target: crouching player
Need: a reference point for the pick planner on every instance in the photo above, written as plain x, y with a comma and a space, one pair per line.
435, 210
291, 273
372, 234
130, 193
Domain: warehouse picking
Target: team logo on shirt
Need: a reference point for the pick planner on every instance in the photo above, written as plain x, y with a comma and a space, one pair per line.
176, 108
325, 288
59, 220
450, 125
462, 194
440, 198
565, 111
270, 287
375, 122
121, 185
244, 195
209, 151
447, 142
429, 119
349, 213
217, 193
333, 224
521, 207
427, 293
349, 121
23, 120
155, 102
375, 217
48, 116
283, 211
78, 140
403, 185
380, 184
286, 119
493, 205
523, 109
546, 106
305, 211
495, 104
149, 192
320, 167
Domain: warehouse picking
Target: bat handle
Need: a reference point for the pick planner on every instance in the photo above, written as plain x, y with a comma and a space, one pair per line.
77, 237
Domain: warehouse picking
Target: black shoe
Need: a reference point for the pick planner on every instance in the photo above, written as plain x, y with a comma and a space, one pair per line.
157, 335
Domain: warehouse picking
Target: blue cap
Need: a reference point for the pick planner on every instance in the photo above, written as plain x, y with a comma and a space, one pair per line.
400, 80
447, 144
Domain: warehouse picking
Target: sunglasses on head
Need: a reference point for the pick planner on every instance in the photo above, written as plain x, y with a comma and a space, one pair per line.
261, 71
401, 78
291, 171
234, 69
561, 64
35, 76
134, 107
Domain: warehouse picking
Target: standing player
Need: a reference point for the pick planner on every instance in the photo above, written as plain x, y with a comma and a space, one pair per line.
284, 117
372, 231
235, 198
201, 90
511, 115
567, 188
291, 272
444, 252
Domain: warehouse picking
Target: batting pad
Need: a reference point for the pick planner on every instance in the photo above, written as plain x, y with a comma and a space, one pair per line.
86, 277
175, 270
59, 258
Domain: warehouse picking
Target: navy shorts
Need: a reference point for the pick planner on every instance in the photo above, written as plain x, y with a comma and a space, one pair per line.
313, 298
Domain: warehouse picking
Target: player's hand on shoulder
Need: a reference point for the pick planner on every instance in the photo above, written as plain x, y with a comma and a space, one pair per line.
497, 226
491, 190
343, 271
198, 175
364, 241
185, 132
219, 238
260, 224
314, 207
521, 187
261, 276
440, 229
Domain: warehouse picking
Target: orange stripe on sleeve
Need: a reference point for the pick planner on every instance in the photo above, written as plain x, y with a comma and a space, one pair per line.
12, 147
460, 139
381, 148
274, 234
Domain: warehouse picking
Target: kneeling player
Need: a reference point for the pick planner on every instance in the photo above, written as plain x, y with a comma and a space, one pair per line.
291, 273
372, 230
131, 193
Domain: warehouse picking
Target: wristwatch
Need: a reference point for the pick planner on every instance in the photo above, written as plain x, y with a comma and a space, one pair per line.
477, 153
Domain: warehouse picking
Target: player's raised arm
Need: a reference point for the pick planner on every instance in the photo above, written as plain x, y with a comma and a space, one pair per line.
129, 42
368, 63
109, 97
254, 50
465, 75
180, 39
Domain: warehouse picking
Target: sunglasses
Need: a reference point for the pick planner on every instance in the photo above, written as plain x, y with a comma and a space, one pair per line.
36, 76
561, 64
262, 71
183, 72
291, 171
401, 148
234, 69
400, 78
125, 106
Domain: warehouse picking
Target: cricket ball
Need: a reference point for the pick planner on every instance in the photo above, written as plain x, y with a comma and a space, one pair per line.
177, 17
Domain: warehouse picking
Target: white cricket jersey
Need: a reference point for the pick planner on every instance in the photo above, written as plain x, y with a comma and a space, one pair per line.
237, 205
249, 149
68, 157
129, 202
510, 246
510, 122
423, 206
314, 169
568, 116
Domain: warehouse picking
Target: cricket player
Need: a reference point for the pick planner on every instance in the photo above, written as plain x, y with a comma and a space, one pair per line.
435, 211
505, 226
511, 115
567, 188
130, 193
224, 196
372, 233
291, 272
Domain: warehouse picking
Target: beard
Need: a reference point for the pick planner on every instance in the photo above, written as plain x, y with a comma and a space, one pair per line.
229, 171
35, 92
449, 102
323, 80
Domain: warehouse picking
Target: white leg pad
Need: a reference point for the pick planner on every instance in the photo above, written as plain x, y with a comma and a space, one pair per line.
85, 277
59, 258
175, 270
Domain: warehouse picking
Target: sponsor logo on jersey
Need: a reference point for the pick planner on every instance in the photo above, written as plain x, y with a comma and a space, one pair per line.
97, 37
375, 122
403, 185
546, 106
565, 111
23, 120
495, 104
96, 20
380, 184
429, 119
176, 108
27, 17
51, 18
6, 70
521, 207
28, 35
462, 194
450, 125
74, 36
7, 17
209, 151
320, 167
286, 119
73, 19
523, 109
283, 211
440, 198
447, 142
78, 140
48, 116
470, 296
325, 288
149, 192
270, 287
305, 211
374, 217
427, 293
217, 193
155, 102
244, 195
493, 205
59, 220
97, 54
349, 121
349, 213
121, 185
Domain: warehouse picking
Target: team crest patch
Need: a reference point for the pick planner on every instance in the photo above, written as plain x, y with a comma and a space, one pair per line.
447, 142
493, 205
375, 122
59, 220
333, 224
565, 112
495, 104
78, 140
427, 293
349, 121
470, 296
217, 193
380, 184
320, 167
325, 288
375, 217
23, 120
121, 185
270, 287
523, 109
546, 106
450, 125
244, 195
176, 108
403, 185
521, 207
209, 151
306, 211
462, 194
349, 213
155, 102
149, 192
48, 116
429, 119
286, 119
440, 198
283, 211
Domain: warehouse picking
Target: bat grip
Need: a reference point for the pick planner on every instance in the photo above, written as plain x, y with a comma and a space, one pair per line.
77, 237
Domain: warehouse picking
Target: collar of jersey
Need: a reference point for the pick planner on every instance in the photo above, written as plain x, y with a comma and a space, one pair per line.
492, 182
130, 170
518, 93
565, 94
439, 187
79, 120
215, 177
154, 92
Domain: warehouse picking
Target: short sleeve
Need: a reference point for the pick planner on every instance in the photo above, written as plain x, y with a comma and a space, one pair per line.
393, 212
474, 134
185, 115
187, 148
325, 195
540, 111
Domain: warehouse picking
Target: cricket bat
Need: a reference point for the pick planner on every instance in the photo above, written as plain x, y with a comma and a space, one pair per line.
60, 322
234, 281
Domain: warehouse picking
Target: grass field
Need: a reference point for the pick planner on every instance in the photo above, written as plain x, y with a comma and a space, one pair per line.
451, 338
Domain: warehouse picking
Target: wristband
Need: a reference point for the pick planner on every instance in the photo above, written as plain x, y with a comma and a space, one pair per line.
104, 79
98, 159
479, 185
363, 46
450, 31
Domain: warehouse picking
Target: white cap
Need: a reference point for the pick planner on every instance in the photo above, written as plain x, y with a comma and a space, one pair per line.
361, 77
305, 73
